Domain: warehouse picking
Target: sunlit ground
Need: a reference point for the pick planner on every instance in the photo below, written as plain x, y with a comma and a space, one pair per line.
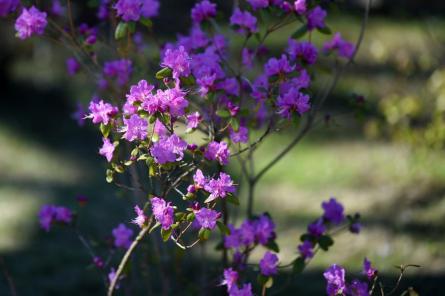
398, 191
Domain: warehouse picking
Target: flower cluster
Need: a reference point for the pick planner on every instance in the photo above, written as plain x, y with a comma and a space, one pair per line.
50, 213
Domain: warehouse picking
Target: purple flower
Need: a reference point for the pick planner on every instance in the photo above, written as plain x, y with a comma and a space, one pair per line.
219, 188
315, 18
276, 66
218, 151
358, 288
258, 4
241, 136
264, 229
63, 215
141, 218
112, 276
333, 211
135, 128
163, 212
316, 228
178, 60
355, 228
168, 149
247, 233
101, 112
304, 50
174, 99
246, 290
193, 120
247, 58
230, 278
107, 149
102, 11
199, 179
345, 49
46, 216
140, 92
368, 270
300, 6
57, 9
293, 100
79, 114
8, 6
31, 21
120, 69
150, 8
233, 240
203, 11
269, 264
72, 66
230, 86
122, 236
98, 262
128, 10
207, 218
306, 249
246, 22
335, 277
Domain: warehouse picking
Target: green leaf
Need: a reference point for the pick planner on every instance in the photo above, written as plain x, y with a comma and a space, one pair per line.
219, 246
146, 22
326, 30
121, 30
325, 241
188, 81
166, 234
300, 32
223, 113
105, 129
223, 228
204, 234
234, 123
272, 245
232, 199
131, 27
191, 217
164, 73
298, 265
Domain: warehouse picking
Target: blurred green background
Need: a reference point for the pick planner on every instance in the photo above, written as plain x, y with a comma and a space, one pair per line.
387, 164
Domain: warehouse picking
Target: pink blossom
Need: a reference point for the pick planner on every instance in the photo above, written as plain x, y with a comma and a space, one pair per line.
107, 149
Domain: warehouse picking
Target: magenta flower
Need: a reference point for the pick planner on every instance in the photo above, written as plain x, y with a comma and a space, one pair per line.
63, 215
293, 101
269, 264
337, 43
122, 236
219, 188
141, 218
258, 4
168, 149
46, 216
246, 22
218, 151
135, 128
315, 18
31, 21
107, 149
230, 278
264, 229
233, 240
8, 6
230, 86
178, 60
355, 228
241, 136
98, 262
111, 277
207, 218
150, 8
247, 233
128, 10
203, 11
306, 249
193, 120
276, 66
101, 112
79, 115
140, 92
246, 290
175, 100
300, 6
368, 270
335, 277
163, 212
358, 288
199, 179
120, 69
304, 51
72, 66
333, 211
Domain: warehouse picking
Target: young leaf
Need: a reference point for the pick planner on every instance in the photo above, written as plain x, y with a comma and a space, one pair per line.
325, 241
272, 245
223, 228
166, 234
164, 73
298, 266
204, 234
232, 199
223, 113
105, 129
146, 22
121, 30
300, 32
326, 30
234, 123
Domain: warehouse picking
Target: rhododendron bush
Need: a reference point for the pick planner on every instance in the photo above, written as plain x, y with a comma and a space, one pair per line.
173, 132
